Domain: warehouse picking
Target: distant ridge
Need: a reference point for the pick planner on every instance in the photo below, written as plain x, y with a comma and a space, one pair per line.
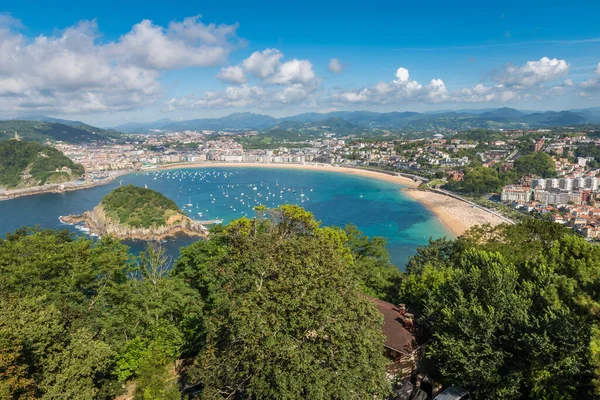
355, 120
41, 128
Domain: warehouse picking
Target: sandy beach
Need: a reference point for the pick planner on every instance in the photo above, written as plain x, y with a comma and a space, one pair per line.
456, 215
311, 167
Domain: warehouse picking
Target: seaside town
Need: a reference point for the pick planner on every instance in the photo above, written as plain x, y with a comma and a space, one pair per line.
492, 176
546, 173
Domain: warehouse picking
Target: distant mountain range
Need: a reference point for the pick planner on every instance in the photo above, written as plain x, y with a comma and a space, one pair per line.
361, 120
42, 128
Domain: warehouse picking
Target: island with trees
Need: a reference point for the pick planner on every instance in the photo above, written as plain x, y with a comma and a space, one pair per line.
132, 212
26, 164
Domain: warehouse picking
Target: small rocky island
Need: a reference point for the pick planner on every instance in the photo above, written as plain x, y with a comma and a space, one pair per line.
131, 212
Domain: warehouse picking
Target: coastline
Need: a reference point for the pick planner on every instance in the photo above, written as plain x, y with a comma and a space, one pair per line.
9, 194
401, 180
456, 215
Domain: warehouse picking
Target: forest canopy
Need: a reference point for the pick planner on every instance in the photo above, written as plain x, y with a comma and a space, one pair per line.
84, 319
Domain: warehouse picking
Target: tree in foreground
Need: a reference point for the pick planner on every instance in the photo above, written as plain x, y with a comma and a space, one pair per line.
511, 312
284, 313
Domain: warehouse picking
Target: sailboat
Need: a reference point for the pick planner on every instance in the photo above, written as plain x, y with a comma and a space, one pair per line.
189, 204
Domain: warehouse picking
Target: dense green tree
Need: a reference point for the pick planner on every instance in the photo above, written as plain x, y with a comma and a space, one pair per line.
538, 163
378, 277
510, 312
74, 309
480, 180
284, 314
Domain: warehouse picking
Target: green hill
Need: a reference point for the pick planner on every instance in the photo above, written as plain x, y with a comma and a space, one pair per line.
41, 131
25, 164
140, 208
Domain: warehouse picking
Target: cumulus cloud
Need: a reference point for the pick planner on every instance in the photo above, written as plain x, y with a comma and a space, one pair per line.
400, 90
262, 64
233, 74
335, 66
72, 72
294, 71
402, 74
278, 83
247, 96
592, 85
534, 72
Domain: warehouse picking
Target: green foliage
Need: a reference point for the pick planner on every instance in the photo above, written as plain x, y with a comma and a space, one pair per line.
377, 276
588, 150
43, 131
284, 317
478, 180
510, 312
538, 163
79, 315
41, 162
139, 207
270, 308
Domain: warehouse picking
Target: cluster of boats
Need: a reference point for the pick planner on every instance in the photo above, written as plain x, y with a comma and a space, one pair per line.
238, 198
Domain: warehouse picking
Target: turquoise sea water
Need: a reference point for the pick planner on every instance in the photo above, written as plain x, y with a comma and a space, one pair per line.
378, 208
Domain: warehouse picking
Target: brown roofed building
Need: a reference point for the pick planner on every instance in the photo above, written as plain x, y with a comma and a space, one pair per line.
400, 344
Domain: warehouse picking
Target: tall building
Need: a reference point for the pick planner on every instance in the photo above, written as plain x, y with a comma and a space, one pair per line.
539, 144
539, 183
565, 183
515, 193
591, 183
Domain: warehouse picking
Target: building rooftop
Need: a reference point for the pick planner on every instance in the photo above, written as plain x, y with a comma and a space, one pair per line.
397, 337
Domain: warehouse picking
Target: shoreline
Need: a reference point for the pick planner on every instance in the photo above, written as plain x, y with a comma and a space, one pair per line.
456, 215
380, 175
57, 188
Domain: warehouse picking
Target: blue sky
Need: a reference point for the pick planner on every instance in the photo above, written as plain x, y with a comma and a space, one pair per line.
110, 62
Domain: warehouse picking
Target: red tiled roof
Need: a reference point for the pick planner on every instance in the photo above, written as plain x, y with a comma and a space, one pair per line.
397, 337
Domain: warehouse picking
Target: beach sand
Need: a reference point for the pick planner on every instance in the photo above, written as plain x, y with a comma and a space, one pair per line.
457, 216
311, 167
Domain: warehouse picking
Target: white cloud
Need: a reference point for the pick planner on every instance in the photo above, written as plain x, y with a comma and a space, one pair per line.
481, 93
436, 91
247, 96
262, 64
72, 72
233, 96
294, 71
534, 72
400, 90
591, 85
402, 74
335, 66
279, 83
233, 74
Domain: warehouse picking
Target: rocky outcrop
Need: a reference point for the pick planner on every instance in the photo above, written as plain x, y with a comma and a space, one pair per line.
99, 223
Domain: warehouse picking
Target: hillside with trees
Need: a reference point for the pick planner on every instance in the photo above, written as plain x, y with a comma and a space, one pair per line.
42, 131
25, 164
